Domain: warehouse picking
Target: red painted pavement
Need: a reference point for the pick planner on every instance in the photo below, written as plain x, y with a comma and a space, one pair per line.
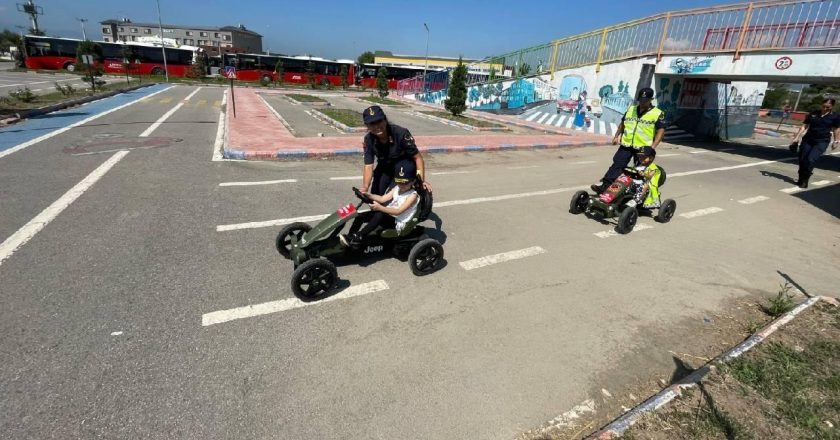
255, 133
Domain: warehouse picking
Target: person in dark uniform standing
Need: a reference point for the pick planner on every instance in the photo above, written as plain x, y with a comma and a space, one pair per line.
818, 127
387, 144
642, 125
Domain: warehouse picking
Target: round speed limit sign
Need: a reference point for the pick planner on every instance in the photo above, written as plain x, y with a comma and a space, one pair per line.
783, 63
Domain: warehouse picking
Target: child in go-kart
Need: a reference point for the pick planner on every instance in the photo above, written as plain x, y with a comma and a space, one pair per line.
402, 201
646, 182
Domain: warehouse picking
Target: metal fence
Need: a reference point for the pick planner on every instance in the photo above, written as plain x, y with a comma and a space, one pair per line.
738, 28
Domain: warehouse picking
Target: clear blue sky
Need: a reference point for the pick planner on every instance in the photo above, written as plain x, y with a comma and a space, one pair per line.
344, 29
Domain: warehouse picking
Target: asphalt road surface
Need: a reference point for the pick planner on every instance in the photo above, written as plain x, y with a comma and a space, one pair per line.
120, 239
38, 83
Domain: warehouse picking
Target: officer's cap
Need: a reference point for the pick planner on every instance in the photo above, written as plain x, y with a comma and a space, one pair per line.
646, 93
373, 114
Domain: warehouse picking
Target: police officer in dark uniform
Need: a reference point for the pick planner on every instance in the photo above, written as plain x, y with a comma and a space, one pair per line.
387, 144
818, 127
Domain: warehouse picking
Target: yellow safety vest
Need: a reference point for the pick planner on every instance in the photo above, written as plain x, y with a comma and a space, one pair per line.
639, 132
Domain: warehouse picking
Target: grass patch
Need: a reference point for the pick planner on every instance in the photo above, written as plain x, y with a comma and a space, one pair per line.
383, 101
350, 118
305, 98
782, 303
804, 385
465, 120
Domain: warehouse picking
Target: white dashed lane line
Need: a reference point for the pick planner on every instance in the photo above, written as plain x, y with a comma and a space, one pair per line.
752, 200
288, 304
608, 234
821, 183
701, 212
263, 182
501, 258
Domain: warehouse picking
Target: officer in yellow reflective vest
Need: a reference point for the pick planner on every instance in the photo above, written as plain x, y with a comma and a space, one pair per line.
642, 125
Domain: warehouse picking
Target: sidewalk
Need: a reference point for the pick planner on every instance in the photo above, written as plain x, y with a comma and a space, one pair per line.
256, 134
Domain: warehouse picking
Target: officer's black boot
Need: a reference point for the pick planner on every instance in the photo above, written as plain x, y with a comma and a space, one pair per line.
803, 179
600, 187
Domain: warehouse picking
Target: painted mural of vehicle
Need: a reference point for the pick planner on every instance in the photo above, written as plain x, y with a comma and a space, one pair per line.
569, 106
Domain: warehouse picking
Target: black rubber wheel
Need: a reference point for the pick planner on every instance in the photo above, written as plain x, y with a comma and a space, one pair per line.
265, 80
314, 278
425, 257
666, 211
283, 242
157, 71
70, 67
579, 202
627, 220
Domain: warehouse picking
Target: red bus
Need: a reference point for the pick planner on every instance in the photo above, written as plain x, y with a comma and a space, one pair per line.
60, 53
257, 67
50, 53
366, 74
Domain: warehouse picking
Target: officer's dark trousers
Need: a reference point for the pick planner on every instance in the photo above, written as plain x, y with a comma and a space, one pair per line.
381, 182
621, 159
809, 153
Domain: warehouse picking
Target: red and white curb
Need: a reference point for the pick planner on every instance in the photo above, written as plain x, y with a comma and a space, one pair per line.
621, 424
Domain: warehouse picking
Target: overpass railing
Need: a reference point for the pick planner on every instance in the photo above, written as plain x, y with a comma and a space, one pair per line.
738, 28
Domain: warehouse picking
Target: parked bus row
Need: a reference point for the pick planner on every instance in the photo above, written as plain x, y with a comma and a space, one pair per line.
51, 53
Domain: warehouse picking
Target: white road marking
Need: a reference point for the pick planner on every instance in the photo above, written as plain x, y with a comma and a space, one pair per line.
533, 116
218, 146
500, 258
734, 167
264, 182
192, 94
752, 200
791, 190
602, 127
701, 212
116, 333
542, 118
570, 121
614, 128
38, 82
583, 162
269, 223
668, 155
560, 121
821, 183
347, 178
523, 167
76, 124
443, 173
569, 417
550, 120
288, 304
612, 233
25, 233
700, 152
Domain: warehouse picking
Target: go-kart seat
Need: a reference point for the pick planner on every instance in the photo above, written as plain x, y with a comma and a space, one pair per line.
662, 176
424, 209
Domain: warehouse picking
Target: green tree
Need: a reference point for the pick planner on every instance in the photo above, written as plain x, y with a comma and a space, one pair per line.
382, 82
456, 97
366, 58
128, 57
492, 75
310, 74
278, 68
198, 69
775, 98
343, 73
88, 47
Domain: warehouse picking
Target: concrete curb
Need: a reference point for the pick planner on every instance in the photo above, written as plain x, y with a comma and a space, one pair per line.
233, 153
72, 103
370, 103
766, 132
307, 103
458, 124
621, 424
330, 121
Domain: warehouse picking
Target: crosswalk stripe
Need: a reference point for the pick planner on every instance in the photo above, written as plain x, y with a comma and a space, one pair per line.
614, 128
602, 127
532, 117
570, 121
551, 119
591, 128
560, 120
542, 118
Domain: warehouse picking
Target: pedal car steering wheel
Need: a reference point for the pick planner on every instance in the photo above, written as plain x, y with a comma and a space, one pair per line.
362, 197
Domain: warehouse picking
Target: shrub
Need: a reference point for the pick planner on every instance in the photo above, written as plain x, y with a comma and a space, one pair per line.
23, 95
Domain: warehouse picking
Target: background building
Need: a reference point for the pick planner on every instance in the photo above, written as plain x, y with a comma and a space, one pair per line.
214, 40
386, 58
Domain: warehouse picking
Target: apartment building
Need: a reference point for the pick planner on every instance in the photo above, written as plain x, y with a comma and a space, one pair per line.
214, 40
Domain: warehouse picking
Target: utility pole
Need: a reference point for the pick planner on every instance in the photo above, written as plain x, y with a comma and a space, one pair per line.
426, 65
83, 21
162, 46
29, 8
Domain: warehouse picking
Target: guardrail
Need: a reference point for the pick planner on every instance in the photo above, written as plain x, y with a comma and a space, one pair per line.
738, 28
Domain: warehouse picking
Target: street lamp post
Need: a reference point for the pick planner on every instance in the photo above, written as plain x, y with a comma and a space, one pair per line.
162, 46
426, 66
83, 21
